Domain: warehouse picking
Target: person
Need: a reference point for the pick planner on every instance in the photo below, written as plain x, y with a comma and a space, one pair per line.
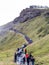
25, 51
27, 58
15, 57
23, 57
16, 54
20, 56
24, 45
32, 59
24, 60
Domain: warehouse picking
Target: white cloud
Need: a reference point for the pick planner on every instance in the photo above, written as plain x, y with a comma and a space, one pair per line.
9, 9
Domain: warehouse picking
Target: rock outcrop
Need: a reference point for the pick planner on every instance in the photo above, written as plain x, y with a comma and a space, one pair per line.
28, 13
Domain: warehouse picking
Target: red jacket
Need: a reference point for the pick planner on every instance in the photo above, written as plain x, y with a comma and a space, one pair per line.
27, 55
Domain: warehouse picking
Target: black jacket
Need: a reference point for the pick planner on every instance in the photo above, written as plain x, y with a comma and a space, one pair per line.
32, 58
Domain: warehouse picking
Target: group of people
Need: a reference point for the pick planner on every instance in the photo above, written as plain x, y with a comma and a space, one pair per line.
22, 57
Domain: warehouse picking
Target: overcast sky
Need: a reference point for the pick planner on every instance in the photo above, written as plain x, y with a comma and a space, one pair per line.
9, 9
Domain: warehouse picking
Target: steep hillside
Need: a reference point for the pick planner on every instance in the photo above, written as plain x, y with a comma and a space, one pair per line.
35, 28
35, 24
40, 50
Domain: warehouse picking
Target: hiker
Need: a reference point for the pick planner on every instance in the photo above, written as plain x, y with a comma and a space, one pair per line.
27, 58
25, 51
31, 59
20, 56
24, 45
23, 57
15, 57
24, 60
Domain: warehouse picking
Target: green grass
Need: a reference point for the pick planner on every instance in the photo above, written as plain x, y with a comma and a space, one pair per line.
38, 30
40, 50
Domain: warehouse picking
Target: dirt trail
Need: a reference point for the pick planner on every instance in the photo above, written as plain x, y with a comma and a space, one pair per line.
24, 35
1, 63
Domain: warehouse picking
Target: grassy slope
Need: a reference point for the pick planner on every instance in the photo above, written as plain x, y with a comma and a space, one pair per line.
11, 40
40, 49
36, 29
8, 48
